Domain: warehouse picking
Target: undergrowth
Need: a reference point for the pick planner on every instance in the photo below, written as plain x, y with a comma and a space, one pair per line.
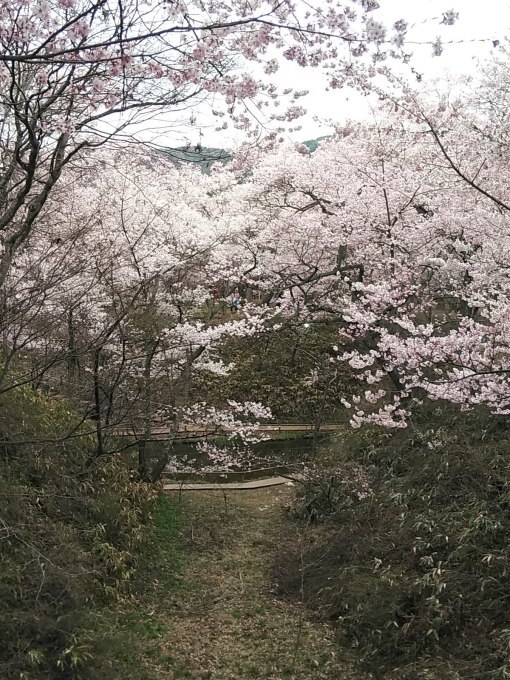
411, 557
76, 539
138, 626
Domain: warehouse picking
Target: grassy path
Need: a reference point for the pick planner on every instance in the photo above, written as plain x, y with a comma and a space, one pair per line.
224, 622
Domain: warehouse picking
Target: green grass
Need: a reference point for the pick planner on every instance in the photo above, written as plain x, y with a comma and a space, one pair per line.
144, 624
162, 559
167, 526
134, 630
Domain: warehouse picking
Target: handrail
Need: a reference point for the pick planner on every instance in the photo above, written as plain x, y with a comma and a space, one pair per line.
192, 430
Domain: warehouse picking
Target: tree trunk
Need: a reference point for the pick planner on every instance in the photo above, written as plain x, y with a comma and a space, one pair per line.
72, 360
143, 462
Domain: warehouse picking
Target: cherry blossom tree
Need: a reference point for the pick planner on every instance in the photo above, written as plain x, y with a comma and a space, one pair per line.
76, 73
395, 229
391, 229
107, 261
117, 318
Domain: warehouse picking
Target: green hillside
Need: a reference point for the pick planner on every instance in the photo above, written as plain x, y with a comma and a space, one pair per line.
206, 156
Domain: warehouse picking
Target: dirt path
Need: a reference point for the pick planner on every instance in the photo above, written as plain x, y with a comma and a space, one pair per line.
225, 623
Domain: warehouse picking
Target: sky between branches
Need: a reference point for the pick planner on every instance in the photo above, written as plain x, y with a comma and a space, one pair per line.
466, 43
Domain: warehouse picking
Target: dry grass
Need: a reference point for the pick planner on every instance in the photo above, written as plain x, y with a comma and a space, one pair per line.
226, 623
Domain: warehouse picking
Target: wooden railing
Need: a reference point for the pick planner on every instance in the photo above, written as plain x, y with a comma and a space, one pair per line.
190, 431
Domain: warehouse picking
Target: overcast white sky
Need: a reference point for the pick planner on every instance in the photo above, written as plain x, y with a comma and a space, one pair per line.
479, 23
468, 41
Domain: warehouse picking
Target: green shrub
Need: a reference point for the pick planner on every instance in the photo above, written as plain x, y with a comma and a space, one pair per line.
290, 372
416, 569
70, 535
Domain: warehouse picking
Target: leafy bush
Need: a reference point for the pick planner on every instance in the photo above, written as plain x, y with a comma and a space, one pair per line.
290, 372
70, 532
327, 489
416, 571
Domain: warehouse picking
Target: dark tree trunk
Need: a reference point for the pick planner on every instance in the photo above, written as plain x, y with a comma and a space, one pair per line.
159, 466
143, 462
72, 361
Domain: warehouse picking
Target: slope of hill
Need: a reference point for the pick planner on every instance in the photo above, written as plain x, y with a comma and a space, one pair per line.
202, 156
206, 156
